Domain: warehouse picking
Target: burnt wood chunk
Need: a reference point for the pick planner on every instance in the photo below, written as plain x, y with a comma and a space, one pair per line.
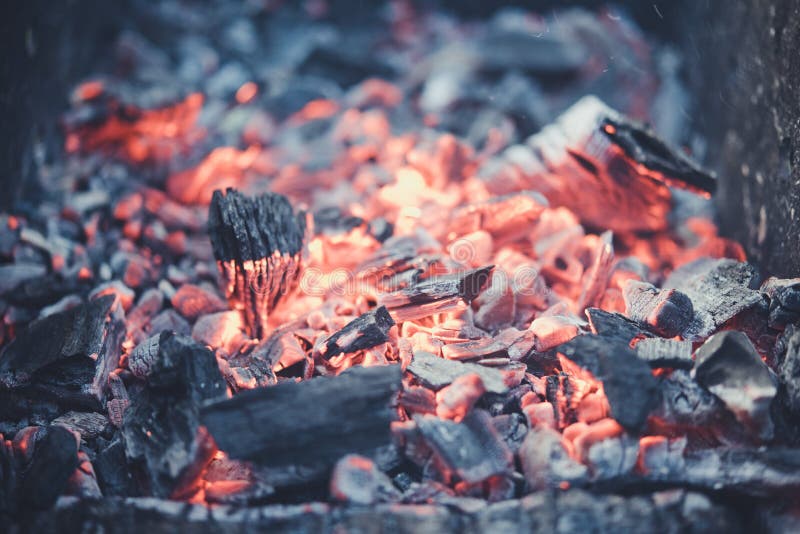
257, 243
665, 312
75, 349
628, 383
784, 301
314, 420
615, 326
161, 428
471, 450
52, 456
436, 294
665, 353
436, 372
730, 368
789, 367
719, 290
363, 332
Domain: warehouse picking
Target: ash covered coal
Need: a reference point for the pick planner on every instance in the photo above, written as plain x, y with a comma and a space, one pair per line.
315, 273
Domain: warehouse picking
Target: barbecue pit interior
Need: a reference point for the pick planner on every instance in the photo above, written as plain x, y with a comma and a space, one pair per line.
415, 266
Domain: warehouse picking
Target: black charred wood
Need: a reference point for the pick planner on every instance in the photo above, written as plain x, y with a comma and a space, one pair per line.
665, 312
52, 462
317, 420
628, 383
615, 326
363, 332
436, 294
257, 243
719, 291
729, 366
437, 372
114, 473
471, 450
161, 428
75, 350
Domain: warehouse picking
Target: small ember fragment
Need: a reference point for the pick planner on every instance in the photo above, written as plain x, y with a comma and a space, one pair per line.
366, 331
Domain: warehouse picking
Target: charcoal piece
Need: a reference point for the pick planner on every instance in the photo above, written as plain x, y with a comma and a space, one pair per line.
730, 368
505, 217
612, 457
436, 372
595, 278
53, 458
88, 424
628, 383
614, 325
192, 301
114, 473
788, 367
545, 55
665, 353
512, 428
417, 399
686, 405
356, 479
363, 332
784, 301
83, 481
546, 461
144, 356
161, 428
436, 294
15, 274
471, 450
575, 163
662, 162
719, 291
257, 243
169, 320
665, 312
332, 220
84, 337
316, 420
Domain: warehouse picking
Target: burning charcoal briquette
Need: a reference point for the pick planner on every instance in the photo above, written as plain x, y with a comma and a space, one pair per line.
257, 243
730, 368
436, 294
363, 332
627, 381
312, 421
664, 312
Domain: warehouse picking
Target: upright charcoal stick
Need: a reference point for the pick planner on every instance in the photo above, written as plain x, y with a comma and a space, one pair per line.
257, 243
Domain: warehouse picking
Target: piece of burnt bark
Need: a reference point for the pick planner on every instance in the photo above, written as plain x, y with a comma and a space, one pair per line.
665, 312
471, 450
49, 456
665, 353
730, 368
72, 351
161, 428
363, 332
257, 243
436, 372
316, 420
719, 289
436, 294
628, 383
